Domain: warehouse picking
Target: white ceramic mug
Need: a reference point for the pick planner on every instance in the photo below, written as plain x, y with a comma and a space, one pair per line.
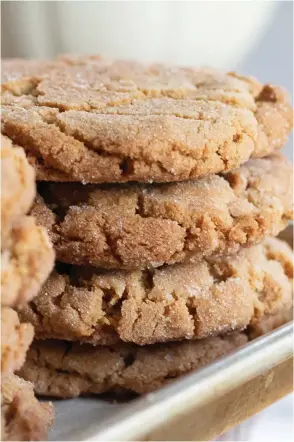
217, 33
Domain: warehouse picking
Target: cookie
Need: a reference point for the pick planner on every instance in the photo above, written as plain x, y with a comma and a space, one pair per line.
94, 120
269, 323
184, 301
26, 262
15, 340
18, 187
23, 416
61, 369
141, 226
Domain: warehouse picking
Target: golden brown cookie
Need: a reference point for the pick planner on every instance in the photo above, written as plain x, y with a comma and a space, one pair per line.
68, 370
141, 226
94, 120
26, 262
15, 340
183, 301
23, 417
18, 187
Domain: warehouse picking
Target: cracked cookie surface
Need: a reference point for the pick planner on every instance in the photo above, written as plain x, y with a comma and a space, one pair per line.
27, 260
18, 187
184, 301
15, 340
23, 417
94, 120
68, 370
146, 226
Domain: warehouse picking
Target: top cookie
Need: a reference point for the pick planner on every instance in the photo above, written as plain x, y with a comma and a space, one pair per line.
93, 120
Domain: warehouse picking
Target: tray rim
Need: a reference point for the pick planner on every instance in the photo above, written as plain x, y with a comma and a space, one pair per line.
145, 414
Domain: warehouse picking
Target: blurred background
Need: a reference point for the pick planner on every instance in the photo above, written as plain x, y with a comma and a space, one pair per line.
253, 37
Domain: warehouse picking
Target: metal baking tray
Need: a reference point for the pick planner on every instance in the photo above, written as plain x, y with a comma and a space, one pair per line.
199, 406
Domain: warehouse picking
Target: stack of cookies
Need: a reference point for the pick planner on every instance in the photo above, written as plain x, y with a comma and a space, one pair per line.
27, 259
162, 190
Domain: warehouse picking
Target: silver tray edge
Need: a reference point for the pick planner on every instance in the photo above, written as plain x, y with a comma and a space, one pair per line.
146, 413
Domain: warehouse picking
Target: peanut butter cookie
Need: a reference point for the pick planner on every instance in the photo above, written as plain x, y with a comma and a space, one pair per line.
146, 226
61, 369
184, 301
93, 120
